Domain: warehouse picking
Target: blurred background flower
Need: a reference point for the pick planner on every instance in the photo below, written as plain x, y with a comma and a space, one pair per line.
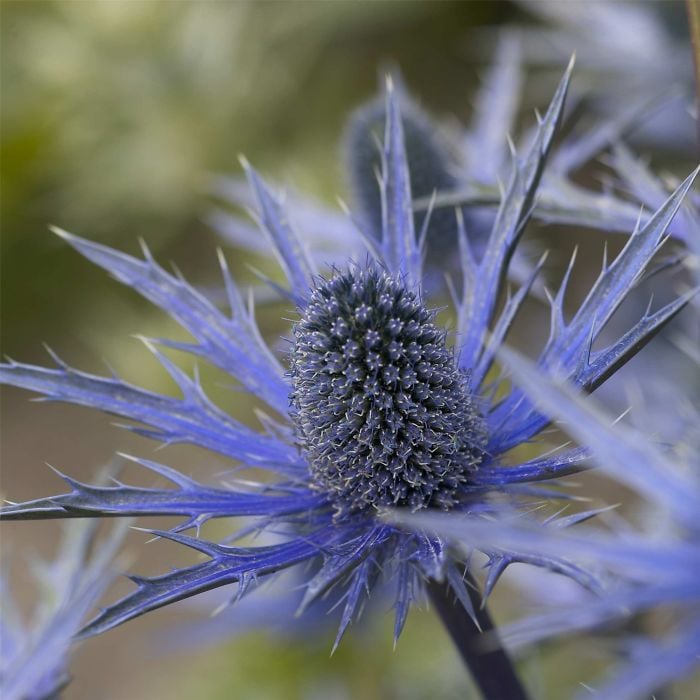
35, 653
115, 115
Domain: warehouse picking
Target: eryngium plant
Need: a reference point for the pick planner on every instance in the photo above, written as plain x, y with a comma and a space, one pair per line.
376, 409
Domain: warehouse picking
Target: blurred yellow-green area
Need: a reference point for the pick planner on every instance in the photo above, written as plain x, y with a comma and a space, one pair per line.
115, 115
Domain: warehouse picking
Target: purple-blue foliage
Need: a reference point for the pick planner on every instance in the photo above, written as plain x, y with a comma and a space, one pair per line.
464, 166
351, 547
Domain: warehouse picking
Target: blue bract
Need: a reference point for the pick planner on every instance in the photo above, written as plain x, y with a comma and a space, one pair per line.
375, 410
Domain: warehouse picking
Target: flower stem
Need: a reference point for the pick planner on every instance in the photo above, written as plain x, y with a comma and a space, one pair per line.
487, 660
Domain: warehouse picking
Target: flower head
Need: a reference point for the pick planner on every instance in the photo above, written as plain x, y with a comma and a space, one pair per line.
384, 415
376, 408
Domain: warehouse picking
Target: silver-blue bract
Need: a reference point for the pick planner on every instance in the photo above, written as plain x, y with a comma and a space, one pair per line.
351, 548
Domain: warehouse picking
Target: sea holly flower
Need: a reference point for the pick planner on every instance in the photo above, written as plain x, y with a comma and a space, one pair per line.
457, 165
375, 409
647, 571
35, 656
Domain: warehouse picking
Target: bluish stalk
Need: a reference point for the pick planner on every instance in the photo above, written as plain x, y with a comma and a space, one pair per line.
488, 662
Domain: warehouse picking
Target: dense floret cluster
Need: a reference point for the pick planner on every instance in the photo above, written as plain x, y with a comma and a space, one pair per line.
383, 413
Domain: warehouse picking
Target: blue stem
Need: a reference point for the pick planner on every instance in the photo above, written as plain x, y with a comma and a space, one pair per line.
488, 662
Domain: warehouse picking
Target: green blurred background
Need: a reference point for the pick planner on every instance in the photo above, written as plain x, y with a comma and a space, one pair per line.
114, 116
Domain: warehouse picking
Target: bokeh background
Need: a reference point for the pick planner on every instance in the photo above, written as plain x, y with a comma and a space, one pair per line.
115, 116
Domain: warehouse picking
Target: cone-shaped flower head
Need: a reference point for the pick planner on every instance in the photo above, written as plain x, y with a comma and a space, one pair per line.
384, 414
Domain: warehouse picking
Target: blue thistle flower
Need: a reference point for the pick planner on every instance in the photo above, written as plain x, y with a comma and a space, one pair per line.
461, 167
376, 409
